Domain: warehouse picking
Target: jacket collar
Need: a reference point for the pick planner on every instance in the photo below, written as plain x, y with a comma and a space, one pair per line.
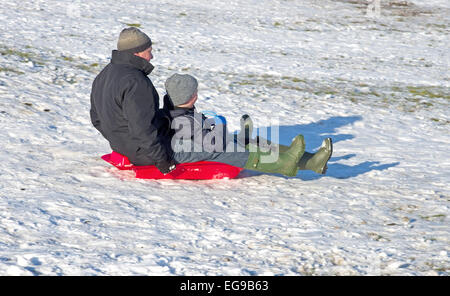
177, 111
119, 57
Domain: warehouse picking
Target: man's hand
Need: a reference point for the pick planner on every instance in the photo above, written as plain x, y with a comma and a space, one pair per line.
166, 167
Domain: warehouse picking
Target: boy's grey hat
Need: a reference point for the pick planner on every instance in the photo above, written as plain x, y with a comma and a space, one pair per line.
180, 88
133, 40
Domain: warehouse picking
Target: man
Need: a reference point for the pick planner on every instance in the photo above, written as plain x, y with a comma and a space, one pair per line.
125, 104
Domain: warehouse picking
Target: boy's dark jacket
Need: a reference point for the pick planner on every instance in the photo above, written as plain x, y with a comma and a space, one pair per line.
125, 109
188, 125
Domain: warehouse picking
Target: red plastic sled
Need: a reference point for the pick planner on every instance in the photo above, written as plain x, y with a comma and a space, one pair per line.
202, 170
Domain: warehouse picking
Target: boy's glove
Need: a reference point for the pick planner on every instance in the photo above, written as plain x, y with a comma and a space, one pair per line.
166, 166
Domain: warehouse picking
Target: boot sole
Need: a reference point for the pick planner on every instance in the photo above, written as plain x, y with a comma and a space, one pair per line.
324, 170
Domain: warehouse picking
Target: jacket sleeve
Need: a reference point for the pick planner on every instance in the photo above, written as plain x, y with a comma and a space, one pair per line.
94, 117
140, 109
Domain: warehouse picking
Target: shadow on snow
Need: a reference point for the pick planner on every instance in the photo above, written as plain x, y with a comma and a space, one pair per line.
314, 134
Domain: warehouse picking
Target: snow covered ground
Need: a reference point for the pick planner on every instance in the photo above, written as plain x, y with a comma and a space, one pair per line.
378, 85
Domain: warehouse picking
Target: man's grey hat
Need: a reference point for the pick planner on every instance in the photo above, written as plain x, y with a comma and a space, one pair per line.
180, 88
133, 40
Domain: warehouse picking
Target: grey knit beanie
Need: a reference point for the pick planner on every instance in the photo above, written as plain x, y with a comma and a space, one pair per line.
180, 88
133, 40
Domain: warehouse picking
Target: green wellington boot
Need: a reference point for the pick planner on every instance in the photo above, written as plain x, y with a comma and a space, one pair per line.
287, 161
316, 162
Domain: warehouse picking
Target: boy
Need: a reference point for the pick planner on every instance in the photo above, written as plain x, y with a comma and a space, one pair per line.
202, 139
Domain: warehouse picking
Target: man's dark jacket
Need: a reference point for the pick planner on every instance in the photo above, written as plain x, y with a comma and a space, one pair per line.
125, 109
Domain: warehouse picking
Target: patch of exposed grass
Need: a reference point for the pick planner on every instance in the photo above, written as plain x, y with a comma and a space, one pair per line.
273, 82
441, 121
428, 91
5, 69
68, 59
406, 98
438, 267
25, 56
93, 68
293, 79
90, 68
136, 25
14, 52
392, 224
377, 237
83, 67
439, 217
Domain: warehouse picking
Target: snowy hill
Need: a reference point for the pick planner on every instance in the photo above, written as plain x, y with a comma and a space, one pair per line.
378, 85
